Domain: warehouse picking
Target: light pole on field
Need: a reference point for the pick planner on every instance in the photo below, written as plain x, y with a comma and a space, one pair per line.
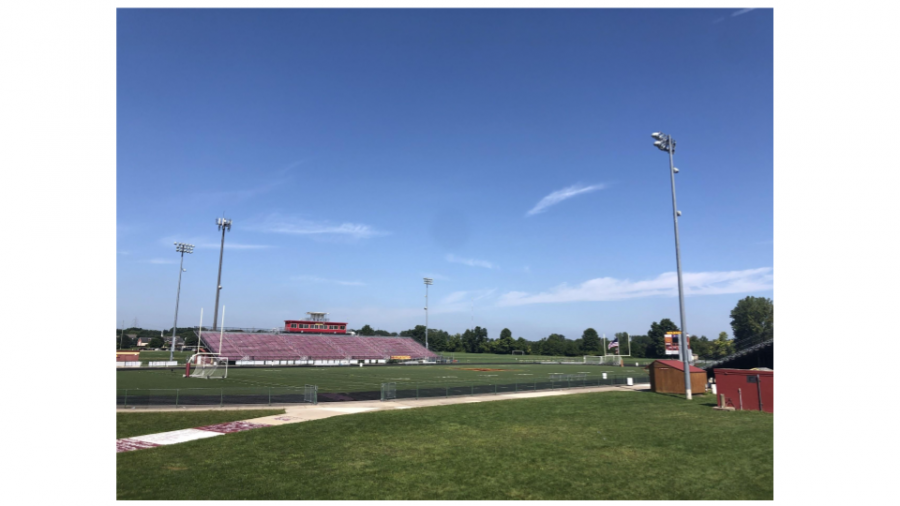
181, 248
666, 143
428, 282
223, 225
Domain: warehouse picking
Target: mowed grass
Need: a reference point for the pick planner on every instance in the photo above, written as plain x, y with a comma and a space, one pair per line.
487, 358
361, 379
142, 424
611, 445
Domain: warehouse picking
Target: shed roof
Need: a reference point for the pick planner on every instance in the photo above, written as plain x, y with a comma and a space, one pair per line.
679, 365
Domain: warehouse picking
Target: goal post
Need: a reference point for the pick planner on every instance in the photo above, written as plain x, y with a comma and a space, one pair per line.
604, 360
518, 352
206, 366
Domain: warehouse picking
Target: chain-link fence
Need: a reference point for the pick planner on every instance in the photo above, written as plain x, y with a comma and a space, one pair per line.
395, 390
182, 397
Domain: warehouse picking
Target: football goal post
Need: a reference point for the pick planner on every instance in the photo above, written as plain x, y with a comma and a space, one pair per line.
206, 366
603, 359
518, 352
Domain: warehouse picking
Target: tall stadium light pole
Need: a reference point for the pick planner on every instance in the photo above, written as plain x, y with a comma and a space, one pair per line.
223, 225
428, 282
666, 143
181, 248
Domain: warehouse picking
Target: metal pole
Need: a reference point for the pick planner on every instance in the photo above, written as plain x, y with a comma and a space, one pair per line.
221, 331
177, 298
219, 281
685, 355
200, 331
426, 316
123, 334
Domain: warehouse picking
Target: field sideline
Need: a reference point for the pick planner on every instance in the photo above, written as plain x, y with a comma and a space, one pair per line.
360, 379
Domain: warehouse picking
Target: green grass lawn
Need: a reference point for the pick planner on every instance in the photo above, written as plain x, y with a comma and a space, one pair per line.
360, 379
485, 358
142, 424
595, 446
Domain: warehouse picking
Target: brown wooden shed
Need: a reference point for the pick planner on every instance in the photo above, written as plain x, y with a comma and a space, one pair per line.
667, 377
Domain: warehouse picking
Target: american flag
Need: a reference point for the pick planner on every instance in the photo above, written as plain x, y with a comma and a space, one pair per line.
614, 344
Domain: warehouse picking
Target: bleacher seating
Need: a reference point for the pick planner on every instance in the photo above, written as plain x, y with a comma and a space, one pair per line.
246, 346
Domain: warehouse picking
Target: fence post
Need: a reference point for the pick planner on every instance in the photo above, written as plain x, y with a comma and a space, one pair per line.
517, 386
417, 391
270, 396
176, 397
125, 404
222, 397
495, 389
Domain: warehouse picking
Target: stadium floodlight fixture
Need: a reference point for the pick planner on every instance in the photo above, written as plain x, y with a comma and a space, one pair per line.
667, 143
182, 248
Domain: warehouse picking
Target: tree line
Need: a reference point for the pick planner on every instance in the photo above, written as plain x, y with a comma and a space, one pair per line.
752, 322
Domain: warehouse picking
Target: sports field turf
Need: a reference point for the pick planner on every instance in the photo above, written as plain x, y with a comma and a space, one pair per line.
142, 424
359, 379
594, 446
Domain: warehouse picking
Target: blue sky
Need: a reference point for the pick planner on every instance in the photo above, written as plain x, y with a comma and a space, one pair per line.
505, 153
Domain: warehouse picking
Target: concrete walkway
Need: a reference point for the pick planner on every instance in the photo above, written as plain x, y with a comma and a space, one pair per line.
304, 412
295, 413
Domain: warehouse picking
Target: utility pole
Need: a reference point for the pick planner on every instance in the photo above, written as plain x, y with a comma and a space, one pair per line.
428, 282
181, 248
666, 143
223, 225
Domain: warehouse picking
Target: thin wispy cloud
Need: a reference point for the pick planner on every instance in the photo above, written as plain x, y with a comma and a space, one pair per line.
162, 261
461, 301
278, 224
231, 245
207, 243
561, 195
736, 13
471, 262
664, 285
316, 279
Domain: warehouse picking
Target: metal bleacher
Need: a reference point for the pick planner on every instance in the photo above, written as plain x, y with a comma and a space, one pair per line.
285, 346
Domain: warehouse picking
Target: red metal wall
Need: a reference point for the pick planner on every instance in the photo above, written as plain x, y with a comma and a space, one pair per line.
729, 381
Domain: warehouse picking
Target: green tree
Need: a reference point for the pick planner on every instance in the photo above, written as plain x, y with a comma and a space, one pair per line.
752, 321
367, 331
657, 334
701, 346
505, 344
156, 342
554, 345
590, 341
640, 346
721, 347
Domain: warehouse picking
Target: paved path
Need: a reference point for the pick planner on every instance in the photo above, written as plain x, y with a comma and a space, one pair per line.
295, 413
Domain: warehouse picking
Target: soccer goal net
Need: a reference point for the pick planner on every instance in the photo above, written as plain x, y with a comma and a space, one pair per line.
603, 359
206, 366
518, 352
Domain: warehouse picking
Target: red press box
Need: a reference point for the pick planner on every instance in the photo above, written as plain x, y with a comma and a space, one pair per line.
745, 389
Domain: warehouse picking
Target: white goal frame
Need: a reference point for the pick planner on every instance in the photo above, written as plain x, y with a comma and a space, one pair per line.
604, 359
520, 352
206, 366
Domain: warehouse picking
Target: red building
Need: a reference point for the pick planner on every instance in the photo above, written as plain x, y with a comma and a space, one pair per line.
746, 389
317, 323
